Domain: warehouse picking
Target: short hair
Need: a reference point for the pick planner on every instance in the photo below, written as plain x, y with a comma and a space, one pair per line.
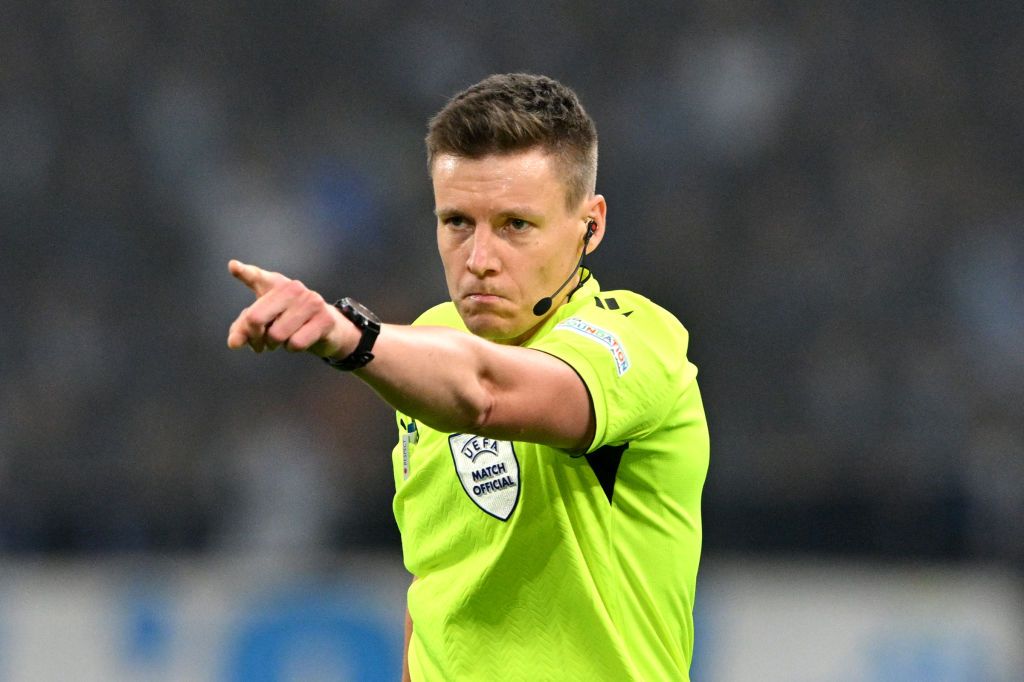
514, 112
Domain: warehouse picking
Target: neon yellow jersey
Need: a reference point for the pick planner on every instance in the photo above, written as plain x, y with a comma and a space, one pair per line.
536, 565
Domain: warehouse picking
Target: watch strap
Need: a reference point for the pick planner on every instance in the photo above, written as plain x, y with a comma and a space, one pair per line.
369, 326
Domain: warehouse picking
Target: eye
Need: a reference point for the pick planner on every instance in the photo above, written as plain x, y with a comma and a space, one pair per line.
454, 221
518, 224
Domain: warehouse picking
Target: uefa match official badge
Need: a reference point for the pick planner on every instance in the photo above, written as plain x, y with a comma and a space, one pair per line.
489, 472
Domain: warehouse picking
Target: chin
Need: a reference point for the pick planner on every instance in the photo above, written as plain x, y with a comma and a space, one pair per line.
486, 330
489, 326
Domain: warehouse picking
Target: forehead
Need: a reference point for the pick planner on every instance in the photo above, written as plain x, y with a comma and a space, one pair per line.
529, 176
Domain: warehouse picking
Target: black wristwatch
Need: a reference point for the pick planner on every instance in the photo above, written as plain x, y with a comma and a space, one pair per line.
368, 323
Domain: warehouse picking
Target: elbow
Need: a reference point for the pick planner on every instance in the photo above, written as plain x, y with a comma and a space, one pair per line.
475, 406
481, 415
474, 414
468, 414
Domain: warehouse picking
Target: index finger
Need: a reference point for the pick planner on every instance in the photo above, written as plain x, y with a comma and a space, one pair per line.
256, 278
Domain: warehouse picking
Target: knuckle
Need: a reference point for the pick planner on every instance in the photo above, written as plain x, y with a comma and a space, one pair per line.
253, 318
324, 321
312, 299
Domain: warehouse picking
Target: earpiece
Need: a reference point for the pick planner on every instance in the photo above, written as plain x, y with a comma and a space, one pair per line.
544, 304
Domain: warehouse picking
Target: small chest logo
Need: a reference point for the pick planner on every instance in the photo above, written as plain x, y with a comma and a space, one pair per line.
489, 472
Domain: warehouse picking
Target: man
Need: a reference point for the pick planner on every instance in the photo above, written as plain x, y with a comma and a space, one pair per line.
551, 460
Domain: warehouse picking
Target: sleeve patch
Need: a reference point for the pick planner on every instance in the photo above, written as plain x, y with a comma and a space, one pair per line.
602, 336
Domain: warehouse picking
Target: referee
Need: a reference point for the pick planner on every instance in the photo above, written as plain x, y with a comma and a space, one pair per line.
552, 441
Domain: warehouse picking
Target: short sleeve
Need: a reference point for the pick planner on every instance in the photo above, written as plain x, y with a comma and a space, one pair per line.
634, 367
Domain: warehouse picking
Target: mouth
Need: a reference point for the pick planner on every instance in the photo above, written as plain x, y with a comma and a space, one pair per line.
482, 297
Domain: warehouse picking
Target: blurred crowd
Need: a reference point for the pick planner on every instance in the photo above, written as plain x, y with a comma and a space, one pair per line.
829, 196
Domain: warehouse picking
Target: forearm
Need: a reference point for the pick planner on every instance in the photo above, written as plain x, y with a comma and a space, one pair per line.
438, 376
459, 383
406, 676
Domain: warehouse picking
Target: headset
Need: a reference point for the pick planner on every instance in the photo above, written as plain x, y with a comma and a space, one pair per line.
544, 304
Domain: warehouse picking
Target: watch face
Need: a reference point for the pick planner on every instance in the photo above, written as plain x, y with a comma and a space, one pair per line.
361, 310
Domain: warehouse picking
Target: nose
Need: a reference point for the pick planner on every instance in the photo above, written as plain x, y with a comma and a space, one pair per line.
482, 259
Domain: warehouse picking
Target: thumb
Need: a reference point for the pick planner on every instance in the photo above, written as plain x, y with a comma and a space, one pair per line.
259, 280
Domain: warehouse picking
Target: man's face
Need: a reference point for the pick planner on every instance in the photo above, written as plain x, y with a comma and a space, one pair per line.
506, 238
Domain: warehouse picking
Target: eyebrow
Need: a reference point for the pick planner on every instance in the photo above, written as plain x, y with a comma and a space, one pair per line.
513, 211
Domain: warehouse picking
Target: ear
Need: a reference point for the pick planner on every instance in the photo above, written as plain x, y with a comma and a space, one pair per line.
594, 212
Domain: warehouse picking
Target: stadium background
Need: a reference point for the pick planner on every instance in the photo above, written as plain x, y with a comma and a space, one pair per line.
829, 195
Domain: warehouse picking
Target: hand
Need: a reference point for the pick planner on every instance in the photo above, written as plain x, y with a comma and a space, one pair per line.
288, 314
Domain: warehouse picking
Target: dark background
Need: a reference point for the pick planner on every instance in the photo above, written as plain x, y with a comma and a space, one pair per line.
829, 195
